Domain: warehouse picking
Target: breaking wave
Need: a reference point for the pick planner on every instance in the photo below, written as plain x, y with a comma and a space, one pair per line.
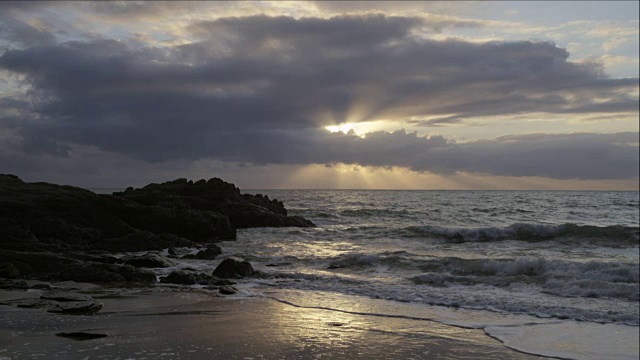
529, 232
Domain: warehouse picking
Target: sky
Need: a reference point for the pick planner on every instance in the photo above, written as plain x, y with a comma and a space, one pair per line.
351, 95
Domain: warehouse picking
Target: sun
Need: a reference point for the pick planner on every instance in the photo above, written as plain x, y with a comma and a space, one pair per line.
359, 128
345, 127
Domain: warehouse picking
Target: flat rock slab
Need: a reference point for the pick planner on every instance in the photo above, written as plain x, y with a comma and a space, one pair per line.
227, 290
66, 297
81, 335
76, 308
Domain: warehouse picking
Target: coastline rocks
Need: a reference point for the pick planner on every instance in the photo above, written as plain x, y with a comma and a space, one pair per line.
148, 261
217, 196
143, 241
51, 266
179, 277
298, 221
233, 267
56, 232
182, 277
207, 254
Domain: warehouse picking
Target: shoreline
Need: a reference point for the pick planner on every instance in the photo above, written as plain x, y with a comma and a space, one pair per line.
178, 323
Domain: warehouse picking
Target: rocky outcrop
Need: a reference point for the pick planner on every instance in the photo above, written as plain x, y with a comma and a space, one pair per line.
52, 266
242, 210
147, 261
48, 217
182, 277
209, 253
52, 232
233, 267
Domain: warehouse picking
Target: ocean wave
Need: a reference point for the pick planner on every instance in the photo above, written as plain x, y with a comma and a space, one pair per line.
398, 259
556, 277
529, 232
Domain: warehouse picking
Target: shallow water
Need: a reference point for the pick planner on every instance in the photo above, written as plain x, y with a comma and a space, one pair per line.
522, 256
501, 261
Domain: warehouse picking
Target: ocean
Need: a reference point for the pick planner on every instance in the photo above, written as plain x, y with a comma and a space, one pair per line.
553, 273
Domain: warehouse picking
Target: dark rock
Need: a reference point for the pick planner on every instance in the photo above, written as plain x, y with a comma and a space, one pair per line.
81, 335
13, 284
279, 264
148, 261
208, 254
7, 270
76, 308
183, 278
217, 281
227, 290
251, 215
101, 258
108, 273
49, 231
143, 241
51, 266
66, 297
233, 267
242, 210
298, 221
41, 287
29, 303
172, 252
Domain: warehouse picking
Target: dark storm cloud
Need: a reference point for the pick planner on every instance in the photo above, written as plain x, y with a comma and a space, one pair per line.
15, 31
566, 156
258, 90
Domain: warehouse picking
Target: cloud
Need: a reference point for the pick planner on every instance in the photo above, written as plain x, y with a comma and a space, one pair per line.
259, 89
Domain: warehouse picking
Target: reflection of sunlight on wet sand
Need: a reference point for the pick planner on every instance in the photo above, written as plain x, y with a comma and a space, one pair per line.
174, 324
308, 325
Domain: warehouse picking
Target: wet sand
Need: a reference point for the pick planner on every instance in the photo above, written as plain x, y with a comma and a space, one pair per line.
186, 324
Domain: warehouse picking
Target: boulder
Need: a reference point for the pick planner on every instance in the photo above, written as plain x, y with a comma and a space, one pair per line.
208, 254
233, 267
183, 278
147, 261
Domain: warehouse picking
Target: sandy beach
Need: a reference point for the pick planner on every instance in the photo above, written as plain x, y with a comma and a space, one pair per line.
184, 324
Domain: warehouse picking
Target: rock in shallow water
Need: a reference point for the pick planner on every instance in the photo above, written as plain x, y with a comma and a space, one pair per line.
179, 277
227, 290
208, 254
76, 308
233, 267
